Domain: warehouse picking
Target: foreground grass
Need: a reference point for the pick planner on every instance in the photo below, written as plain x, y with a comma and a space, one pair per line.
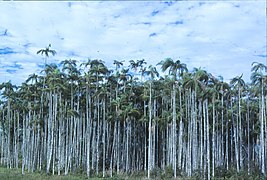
14, 174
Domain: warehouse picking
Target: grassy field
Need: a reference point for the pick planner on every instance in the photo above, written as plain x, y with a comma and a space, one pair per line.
13, 174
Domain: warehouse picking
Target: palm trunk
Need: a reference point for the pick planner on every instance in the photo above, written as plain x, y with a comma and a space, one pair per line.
103, 139
262, 148
23, 143
88, 129
180, 131
240, 130
207, 137
150, 132
213, 135
174, 131
248, 137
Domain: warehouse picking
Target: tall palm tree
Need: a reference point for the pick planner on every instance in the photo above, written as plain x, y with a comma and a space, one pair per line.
175, 69
260, 80
195, 85
99, 71
133, 65
46, 51
152, 72
214, 84
8, 94
239, 84
88, 95
117, 64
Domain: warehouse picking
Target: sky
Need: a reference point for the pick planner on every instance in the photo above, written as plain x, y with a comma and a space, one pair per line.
222, 37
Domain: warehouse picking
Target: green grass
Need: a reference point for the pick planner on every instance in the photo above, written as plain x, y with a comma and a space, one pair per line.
14, 174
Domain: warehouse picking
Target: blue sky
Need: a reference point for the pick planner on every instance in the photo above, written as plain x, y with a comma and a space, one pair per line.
222, 37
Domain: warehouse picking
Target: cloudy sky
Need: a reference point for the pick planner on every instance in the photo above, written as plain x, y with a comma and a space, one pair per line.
222, 37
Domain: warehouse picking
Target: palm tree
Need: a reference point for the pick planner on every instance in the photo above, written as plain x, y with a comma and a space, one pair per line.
141, 62
46, 51
260, 81
223, 89
133, 65
88, 91
33, 78
8, 94
258, 67
176, 69
99, 71
214, 84
195, 85
239, 83
118, 64
152, 72
55, 82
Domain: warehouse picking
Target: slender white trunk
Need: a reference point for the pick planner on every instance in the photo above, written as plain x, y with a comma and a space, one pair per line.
240, 130
227, 142
180, 131
103, 139
262, 148
222, 133
208, 140
49, 132
213, 135
23, 144
174, 131
248, 134
150, 132
201, 135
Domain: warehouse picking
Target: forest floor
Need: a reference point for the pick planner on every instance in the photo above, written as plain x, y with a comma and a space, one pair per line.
15, 174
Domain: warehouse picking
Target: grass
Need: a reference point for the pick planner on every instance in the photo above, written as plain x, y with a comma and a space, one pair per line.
14, 174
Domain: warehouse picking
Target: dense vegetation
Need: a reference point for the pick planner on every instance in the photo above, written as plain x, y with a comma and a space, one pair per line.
92, 120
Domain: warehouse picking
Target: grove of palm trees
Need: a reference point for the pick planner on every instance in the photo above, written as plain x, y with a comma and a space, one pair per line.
87, 119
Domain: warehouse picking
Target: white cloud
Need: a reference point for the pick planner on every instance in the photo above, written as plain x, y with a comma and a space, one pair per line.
223, 37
